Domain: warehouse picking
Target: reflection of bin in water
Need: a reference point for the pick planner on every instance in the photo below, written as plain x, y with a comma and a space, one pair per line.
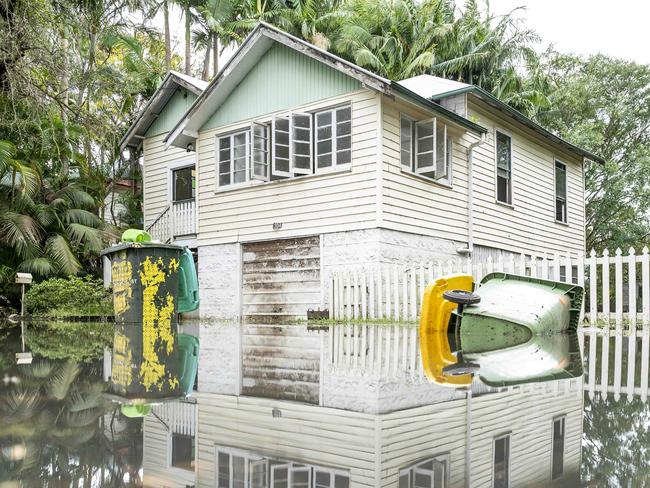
145, 362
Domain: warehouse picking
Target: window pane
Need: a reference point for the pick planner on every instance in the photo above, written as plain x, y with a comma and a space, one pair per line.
301, 140
224, 160
343, 142
258, 474
238, 472
424, 159
343, 157
324, 118
341, 481
300, 478
223, 461
183, 451
344, 114
324, 133
280, 477
560, 192
441, 148
406, 142
184, 182
504, 155
501, 462
322, 479
281, 146
404, 481
558, 447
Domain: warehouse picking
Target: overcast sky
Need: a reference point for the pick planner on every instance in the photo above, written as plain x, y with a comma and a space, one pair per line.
618, 28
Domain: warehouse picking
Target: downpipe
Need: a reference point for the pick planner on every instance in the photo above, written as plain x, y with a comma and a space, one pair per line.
470, 196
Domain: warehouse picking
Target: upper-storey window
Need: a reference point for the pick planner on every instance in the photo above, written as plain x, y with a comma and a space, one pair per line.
426, 148
287, 146
504, 167
560, 192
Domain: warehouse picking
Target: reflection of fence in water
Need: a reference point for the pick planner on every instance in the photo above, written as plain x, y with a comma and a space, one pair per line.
617, 288
616, 364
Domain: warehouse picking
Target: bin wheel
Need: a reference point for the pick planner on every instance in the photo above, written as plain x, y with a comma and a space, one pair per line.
461, 368
461, 297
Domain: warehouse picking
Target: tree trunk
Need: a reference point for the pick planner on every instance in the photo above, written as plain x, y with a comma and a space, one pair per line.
188, 39
206, 60
215, 55
168, 42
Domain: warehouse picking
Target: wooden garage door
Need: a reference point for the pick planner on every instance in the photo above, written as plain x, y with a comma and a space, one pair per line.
281, 279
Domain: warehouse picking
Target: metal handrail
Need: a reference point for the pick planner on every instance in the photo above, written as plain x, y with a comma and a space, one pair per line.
162, 214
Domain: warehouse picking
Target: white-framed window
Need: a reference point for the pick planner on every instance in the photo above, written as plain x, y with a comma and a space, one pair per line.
232, 158
183, 183
426, 148
560, 192
432, 472
557, 457
182, 455
503, 153
501, 462
333, 137
237, 468
286, 146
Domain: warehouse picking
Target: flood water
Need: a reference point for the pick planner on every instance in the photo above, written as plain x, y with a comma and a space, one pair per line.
337, 406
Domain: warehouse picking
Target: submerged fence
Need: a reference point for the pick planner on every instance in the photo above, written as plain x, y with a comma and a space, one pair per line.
617, 288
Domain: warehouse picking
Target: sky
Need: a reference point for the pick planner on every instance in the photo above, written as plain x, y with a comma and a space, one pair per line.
618, 28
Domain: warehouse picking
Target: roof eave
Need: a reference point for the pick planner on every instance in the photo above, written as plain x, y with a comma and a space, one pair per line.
431, 105
493, 101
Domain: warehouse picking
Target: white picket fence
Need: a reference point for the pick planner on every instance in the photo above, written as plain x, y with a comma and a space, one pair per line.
617, 288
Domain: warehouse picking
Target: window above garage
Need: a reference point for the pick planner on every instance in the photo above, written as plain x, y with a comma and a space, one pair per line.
287, 146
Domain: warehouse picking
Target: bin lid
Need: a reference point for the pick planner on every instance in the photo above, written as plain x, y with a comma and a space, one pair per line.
139, 245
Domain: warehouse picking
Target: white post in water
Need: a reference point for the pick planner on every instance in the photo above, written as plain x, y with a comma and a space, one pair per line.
23, 279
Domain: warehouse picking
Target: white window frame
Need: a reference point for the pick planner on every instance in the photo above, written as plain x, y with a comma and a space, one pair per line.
185, 163
274, 170
412, 469
412, 169
566, 192
496, 168
555, 419
425, 169
231, 451
334, 137
231, 135
494, 442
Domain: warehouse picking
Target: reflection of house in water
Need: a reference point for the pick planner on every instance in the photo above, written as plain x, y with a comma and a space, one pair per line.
365, 416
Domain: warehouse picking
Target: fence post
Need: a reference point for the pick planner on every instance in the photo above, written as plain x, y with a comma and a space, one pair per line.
604, 365
618, 283
388, 294
396, 290
645, 353
593, 289
556, 267
581, 282
645, 278
631, 305
330, 296
606, 287
364, 294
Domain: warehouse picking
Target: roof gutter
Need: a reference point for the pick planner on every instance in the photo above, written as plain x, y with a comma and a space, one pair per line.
433, 106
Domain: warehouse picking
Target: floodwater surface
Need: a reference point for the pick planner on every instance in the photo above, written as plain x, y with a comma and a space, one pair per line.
337, 406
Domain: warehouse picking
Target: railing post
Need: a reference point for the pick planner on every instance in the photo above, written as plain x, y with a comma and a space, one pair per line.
631, 305
593, 289
605, 290
618, 283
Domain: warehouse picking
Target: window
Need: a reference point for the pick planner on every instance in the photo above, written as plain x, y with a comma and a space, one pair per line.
233, 158
184, 184
501, 464
289, 145
560, 192
333, 137
557, 462
504, 167
429, 473
242, 469
426, 148
183, 451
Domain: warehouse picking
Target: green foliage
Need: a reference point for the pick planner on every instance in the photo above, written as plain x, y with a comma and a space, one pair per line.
73, 296
77, 341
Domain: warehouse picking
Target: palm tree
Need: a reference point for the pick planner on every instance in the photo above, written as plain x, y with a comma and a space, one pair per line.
394, 38
316, 21
215, 21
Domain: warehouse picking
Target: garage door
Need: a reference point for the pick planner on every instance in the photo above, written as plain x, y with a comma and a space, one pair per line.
281, 279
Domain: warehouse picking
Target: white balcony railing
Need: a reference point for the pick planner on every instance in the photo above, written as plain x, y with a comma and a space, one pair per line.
178, 219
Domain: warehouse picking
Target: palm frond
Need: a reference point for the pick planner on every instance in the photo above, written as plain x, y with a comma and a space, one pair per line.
61, 381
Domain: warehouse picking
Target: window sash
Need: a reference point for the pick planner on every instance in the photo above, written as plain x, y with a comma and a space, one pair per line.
340, 142
503, 470
242, 160
406, 142
560, 192
188, 183
503, 155
425, 152
286, 161
301, 136
260, 152
557, 448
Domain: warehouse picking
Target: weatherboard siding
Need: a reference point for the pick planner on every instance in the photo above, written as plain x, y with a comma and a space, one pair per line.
156, 175
304, 433
175, 108
282, 80
530, 224
307, 205
411, 204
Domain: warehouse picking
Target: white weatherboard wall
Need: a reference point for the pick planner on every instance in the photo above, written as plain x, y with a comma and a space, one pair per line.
530, 225
412, 204
307, 206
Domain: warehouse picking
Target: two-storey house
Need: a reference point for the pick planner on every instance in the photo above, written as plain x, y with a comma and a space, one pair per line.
293, 161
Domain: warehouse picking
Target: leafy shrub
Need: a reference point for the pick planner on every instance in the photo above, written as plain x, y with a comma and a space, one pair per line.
74, 341
65, 297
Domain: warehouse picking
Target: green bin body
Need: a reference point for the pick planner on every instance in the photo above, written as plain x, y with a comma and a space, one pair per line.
188, 284
188, 351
